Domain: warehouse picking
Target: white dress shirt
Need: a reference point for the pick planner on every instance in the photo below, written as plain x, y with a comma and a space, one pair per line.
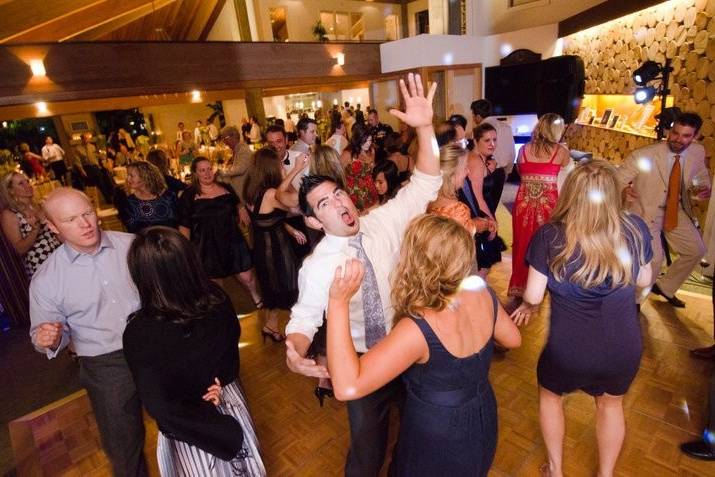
383, 230
504, 153
301, 146
291, 156
52, 153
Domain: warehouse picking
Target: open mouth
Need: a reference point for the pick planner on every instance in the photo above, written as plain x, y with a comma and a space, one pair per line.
347, 218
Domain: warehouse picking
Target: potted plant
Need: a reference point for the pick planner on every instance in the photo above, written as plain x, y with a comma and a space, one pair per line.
319, 31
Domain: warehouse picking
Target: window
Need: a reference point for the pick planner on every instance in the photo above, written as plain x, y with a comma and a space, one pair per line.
278, 23
343, 26
422, 22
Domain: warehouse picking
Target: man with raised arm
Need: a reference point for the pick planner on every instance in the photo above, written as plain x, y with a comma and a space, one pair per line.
375, 239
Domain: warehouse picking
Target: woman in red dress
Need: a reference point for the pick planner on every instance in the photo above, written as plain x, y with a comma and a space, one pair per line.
539, 163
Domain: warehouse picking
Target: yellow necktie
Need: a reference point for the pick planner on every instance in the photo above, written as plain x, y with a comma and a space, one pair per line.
673, 199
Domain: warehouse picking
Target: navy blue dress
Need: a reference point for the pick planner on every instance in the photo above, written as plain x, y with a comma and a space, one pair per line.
594, 341
449, 421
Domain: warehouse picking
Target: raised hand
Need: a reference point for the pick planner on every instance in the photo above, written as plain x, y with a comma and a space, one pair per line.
418, 107
345, 285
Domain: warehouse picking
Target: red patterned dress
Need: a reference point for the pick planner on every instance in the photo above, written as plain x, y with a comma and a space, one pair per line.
535, 200
359, 184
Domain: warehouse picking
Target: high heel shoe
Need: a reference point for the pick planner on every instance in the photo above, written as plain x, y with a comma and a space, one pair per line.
322, 393
275, 336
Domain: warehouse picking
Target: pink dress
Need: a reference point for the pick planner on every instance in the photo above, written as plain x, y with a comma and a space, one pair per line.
535, 200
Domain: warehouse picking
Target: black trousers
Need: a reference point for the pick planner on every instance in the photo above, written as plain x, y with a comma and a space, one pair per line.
99, 178
59, 169
118, 411
369, 425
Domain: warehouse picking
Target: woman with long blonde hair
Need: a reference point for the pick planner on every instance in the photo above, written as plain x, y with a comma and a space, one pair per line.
539, 163
441, 345
591, 256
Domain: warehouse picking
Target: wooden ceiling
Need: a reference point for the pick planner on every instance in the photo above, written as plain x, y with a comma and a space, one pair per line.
33, 21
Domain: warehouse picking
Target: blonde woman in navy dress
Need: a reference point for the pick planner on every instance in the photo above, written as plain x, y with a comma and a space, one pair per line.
591, 257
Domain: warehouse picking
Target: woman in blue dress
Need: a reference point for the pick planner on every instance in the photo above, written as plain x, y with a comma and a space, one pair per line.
591, 257
442, 346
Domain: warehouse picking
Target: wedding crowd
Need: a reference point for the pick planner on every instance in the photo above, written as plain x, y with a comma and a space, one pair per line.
378, 244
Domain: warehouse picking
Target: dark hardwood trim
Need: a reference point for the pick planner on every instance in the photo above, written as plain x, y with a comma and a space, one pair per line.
601, 13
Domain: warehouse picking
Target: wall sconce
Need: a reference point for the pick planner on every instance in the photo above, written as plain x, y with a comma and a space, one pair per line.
340, 59
320, 103
196, 96
41, 107
38, 68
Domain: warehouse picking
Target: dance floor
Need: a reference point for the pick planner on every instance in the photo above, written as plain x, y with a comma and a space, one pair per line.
664, 407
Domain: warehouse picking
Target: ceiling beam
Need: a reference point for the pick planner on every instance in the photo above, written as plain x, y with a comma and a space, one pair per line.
98, 17
212, 19
24, 17
121, 18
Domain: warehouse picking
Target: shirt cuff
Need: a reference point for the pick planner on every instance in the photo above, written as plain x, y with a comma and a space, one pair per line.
305, 329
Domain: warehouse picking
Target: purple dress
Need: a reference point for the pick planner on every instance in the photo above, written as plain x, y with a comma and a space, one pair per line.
594, 341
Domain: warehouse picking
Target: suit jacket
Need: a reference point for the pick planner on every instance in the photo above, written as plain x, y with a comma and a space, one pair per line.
648, 169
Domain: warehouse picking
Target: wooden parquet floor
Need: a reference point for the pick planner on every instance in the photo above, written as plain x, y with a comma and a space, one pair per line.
664, 407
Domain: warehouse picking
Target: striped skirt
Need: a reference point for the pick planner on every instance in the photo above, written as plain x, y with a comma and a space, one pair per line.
179, 459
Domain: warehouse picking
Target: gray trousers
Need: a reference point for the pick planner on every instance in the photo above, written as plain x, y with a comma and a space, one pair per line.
118, 411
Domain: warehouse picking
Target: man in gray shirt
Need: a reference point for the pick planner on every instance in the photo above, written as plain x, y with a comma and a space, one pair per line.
84, 291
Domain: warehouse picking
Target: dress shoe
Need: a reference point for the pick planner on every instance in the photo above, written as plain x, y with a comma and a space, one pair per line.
704, 353
673, 300
699, 449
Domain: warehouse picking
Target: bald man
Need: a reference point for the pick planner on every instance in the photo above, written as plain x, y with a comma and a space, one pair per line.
84, 291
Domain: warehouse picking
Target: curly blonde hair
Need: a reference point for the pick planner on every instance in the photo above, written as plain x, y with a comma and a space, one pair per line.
151, 175
437, 254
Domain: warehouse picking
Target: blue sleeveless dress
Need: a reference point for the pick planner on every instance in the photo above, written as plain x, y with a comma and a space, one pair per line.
449, 421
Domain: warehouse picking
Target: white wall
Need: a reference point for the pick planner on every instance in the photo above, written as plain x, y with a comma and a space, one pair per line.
488, 17
275, 106
363, 94
440, 50
234, 110
167, 116
301, 15
226, 26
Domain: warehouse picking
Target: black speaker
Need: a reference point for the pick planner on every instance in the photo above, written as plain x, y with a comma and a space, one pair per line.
555, 85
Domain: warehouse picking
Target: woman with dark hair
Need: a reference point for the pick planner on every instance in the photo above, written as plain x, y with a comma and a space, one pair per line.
159, 158
149, 202
183, 340
358, 160
479, 192
387, 180
393, 149
208, 216
273, 254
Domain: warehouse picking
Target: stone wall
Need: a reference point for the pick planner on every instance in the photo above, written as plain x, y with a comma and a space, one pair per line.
683, 30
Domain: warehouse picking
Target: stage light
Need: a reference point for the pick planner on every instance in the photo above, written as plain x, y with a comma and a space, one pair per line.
37, 67
646, 72
668, 116
644, 95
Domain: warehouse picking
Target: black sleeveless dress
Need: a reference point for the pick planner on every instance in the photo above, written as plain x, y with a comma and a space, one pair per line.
449, 421
274, 258
214, 232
